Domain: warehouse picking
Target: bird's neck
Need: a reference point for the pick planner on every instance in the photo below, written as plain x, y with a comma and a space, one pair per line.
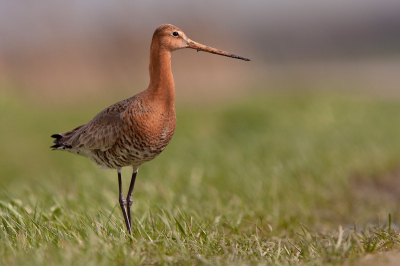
162, 86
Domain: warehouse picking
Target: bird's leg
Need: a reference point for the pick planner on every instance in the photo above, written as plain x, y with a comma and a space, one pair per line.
129, 197
122, 203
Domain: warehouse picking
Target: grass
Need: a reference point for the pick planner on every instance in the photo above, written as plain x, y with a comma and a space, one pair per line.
275, 179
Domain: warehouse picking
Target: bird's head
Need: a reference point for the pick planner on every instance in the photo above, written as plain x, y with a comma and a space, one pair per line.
172, 38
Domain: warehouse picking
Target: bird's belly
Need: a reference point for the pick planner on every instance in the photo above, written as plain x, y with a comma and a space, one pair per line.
135, 147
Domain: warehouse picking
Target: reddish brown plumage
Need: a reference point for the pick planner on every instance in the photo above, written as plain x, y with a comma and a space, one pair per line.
136, 130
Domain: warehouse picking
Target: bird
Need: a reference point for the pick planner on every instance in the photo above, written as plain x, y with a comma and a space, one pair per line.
134, 131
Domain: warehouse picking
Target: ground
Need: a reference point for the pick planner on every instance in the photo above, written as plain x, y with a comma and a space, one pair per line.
277, 178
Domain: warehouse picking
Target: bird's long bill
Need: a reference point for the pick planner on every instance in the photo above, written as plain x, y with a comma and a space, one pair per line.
201, 47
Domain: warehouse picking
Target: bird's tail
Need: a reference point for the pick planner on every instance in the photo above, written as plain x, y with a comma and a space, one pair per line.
64, 140
58, 143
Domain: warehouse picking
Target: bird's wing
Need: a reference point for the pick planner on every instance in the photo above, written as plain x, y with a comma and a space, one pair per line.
99, 133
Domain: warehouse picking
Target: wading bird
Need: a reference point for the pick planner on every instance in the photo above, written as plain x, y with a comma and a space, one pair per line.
136, 130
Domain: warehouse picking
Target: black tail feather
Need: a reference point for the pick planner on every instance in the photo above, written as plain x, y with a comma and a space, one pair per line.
56, 146
56, 141
56, 136
62, 141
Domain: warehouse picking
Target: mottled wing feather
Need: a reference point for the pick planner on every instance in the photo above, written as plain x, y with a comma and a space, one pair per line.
100, 133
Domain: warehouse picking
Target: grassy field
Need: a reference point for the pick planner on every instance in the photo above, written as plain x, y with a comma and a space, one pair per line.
276, 179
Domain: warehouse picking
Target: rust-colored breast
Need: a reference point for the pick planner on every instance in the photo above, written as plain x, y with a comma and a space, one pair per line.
149, 126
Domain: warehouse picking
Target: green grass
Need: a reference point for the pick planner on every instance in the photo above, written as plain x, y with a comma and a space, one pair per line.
277, 179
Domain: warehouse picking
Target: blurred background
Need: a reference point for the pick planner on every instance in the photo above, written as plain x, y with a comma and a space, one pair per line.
68, 51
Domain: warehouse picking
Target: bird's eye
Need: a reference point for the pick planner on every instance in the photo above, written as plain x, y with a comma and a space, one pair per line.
175, 34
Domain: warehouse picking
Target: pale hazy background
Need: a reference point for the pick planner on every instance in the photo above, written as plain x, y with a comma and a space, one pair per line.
64, 51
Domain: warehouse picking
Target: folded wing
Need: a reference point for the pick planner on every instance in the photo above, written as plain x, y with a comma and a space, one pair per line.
100, 133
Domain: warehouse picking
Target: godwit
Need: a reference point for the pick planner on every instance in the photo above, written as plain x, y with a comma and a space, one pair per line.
136, 130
